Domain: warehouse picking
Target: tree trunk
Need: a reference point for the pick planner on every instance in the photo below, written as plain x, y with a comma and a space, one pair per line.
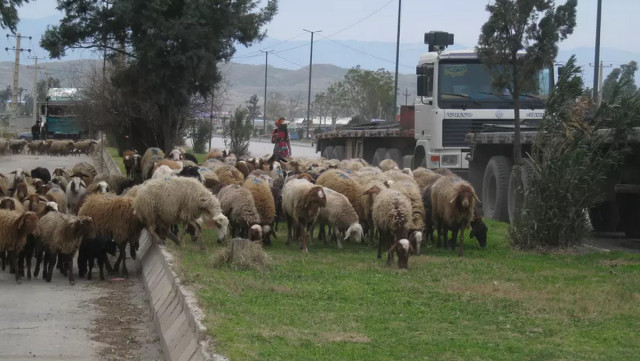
517, 147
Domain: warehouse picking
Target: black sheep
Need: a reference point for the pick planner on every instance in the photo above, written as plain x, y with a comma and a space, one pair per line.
41, 173
191, 157
191, 172
92, 249
479, 231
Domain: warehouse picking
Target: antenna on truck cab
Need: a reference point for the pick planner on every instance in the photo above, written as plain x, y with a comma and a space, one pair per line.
438, 40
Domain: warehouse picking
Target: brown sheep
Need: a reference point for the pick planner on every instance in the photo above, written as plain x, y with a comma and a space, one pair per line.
301, 202
228, 175
14, 228
425, 177
243, 168
265, 204
388, 164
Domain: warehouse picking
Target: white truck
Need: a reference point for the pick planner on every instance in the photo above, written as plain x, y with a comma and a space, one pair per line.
454, 97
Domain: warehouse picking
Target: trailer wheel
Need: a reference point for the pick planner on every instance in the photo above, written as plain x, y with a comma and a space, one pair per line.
328, 152
338, 152
518, 184
379, 156
395, 155
495, 188
604, 217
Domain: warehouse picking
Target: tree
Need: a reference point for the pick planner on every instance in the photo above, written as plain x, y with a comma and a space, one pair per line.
337, 102
26, 107
320, 106
165, 52
276, 107
627, 74
521, 38
369, 93
238, 131
9, 14
294, 107
5, 96
198, 131
44, 85
254, 108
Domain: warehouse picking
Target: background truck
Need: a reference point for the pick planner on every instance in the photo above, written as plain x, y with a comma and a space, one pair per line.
59, 113
490, 173
454, 97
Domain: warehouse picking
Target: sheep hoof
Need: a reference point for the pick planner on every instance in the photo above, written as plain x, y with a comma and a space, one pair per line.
19, 281
72, 282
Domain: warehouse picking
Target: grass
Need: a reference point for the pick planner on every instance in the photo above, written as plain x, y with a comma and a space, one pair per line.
118, 159
495, 304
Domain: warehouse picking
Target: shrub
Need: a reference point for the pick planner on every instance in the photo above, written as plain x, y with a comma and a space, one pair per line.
238, 132
570, 162
199, 131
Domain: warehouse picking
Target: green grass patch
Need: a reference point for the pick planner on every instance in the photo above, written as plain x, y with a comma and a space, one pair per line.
495, 304
113, 152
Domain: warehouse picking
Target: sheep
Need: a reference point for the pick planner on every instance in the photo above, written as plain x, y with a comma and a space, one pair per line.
162, 202
17, 145
75, 189
61, 182
101, 187
61, 147
444, 171
149, 159
388, 164
4, 186
175, 154
392, 217
115, 217
216, 154
129, 160
58, 196
34, 146
87, 171
41, 173
172, 164
238, 205
117, 182
412, 192
85, 145
23, 191
398, 176
265, 204
342, 183
95, 249
16, 177
41, 209
4, 145
276, 193
301, 203
192, 172
425, 177
209, 177
190, 157
62, 172
453, 201
164, 171
479, 229
11, 204
14, 228
403, 249
340, 215
62, 233
46, 147
228, 174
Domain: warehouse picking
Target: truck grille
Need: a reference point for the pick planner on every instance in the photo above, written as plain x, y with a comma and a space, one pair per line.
454, 130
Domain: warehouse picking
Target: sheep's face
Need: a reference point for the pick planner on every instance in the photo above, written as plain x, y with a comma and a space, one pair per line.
8, 204
316, 199
38, 184
255, 233
403, 249
479, 231
86, 228
137, 162
19, 175
28, 223
76, 184
59, 172
22, 191
465, 197
103, 187
307, 177
174, 155
51, 207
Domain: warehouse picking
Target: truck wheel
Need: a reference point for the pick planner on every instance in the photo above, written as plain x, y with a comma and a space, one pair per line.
379, 156
328, 152
604, 217
495, 188
518, 184
395, 155
338, 152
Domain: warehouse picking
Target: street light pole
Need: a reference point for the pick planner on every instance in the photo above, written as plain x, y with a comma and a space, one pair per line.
310, 67
264, 110
596, 63
395, 88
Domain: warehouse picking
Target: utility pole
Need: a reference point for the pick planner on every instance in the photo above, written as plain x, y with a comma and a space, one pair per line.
599, 80
264, 111
395, 87
35, 86
16, 71
597, 60
406, 96
211, 120
310, 67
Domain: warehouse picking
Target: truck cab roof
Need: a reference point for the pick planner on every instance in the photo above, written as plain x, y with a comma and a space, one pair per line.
451, 54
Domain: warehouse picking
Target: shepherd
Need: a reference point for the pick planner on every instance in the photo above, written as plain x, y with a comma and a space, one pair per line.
35, 131
280, 139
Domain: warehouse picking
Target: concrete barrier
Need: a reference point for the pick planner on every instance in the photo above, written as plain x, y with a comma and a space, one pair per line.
174, 308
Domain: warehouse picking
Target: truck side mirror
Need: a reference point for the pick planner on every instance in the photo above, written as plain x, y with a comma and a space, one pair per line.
560, 70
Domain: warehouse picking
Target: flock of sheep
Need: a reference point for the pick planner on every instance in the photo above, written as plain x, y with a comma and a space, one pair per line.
51, 217
48, 147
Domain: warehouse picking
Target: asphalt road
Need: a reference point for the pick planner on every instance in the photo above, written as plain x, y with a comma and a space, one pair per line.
53, 321
259, 148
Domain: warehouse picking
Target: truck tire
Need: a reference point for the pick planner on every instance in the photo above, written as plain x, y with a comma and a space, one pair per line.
338, 152
327, 153
379, 156
395, 155
495, 188
516, 196
604, 217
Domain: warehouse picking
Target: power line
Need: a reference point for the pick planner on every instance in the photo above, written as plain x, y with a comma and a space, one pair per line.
285, 59
248, 55
365, 53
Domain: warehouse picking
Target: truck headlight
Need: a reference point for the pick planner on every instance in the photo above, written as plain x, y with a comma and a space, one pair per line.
449, 160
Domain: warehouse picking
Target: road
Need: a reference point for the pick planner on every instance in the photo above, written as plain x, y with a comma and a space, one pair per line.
260, 148
57, 321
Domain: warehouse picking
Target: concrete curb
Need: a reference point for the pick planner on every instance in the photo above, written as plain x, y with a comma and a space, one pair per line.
174, 308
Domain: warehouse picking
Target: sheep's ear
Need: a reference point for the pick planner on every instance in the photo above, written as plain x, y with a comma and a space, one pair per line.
411, 248
372, 190
475, 196
454, 197
393, 248
82, 185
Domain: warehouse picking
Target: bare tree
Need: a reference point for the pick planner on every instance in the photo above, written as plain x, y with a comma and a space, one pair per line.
276, 106
294, 107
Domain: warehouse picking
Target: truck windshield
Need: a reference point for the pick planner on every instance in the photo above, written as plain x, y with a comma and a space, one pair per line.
469, 84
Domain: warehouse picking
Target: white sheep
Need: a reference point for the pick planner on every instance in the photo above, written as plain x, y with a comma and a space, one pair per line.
301, 203
164, 171
340, 215
75, 189
238, 205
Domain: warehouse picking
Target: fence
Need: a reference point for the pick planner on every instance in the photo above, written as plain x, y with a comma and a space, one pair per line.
104, 161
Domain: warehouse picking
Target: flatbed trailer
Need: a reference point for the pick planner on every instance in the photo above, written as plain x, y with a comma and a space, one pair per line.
490, 173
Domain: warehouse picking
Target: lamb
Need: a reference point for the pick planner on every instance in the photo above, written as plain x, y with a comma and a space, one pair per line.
34, 146
403, 249
62, 233
117, 182
388, 164
75, 190
412, 192
265, 204
149, 159
115, 217
276, 193
392, 218
162, 202
129, 160
61, 182
95, 249
479, 229
17, 145
453, 201
425, 177
14, 228
60, 198
175, 154
301, 203
41, 173
237, 204
340, 215
228, 174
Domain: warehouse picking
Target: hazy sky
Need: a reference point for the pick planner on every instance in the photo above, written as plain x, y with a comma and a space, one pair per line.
462, 17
